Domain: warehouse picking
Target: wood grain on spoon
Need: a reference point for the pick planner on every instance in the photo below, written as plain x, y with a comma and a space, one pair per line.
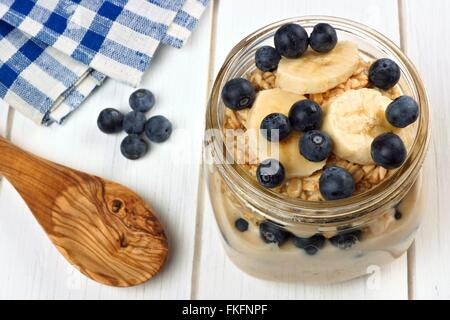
101, 227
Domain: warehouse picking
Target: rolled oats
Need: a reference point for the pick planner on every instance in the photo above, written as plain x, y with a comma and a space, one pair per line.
383, 172
262, 80
368, 169
232, 122
317, 98
242, 116
358, 175
294, 187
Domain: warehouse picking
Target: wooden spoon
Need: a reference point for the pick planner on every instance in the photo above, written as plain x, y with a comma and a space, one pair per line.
101, 227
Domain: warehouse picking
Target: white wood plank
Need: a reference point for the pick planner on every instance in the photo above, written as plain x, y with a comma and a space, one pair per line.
167, 178
4, 111
217, 277
427, 34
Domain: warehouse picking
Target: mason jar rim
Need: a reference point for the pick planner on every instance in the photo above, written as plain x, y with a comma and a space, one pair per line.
281, 209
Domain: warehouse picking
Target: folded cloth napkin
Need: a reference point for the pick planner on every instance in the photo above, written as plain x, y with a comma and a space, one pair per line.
54, 53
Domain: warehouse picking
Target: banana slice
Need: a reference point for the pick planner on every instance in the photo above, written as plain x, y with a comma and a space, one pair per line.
287, 151
353, 120
318, 72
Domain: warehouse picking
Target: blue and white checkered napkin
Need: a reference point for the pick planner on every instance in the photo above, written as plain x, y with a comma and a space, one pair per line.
54, 53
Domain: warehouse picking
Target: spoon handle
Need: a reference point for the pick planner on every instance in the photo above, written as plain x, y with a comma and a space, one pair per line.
8, 152
37, 180
23, 168
20, 167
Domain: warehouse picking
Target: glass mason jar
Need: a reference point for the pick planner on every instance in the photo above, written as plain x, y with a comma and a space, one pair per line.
356, 235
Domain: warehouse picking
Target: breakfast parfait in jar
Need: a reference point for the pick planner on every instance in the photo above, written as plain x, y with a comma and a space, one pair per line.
314, 147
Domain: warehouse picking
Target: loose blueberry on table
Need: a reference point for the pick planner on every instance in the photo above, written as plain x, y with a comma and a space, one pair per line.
158, 129
134, 122
133, 147
110, 121
142, 100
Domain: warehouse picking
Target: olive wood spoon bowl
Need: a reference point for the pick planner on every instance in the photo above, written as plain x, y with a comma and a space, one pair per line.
104, 229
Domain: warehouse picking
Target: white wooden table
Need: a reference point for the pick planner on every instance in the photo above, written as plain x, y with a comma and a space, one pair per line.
170, 176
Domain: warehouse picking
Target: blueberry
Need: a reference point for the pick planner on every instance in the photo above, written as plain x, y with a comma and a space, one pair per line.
110, 121
275, 127
402, 112
305, 115
310, 245
315, 146
142, 100
270, 173
267, 58
134, 122
241, 225
398, 215
158, 129
291, 40
388, 151
323, 38
346, 239
273, 233
384, 74
133, 147
238, 94
336, 183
